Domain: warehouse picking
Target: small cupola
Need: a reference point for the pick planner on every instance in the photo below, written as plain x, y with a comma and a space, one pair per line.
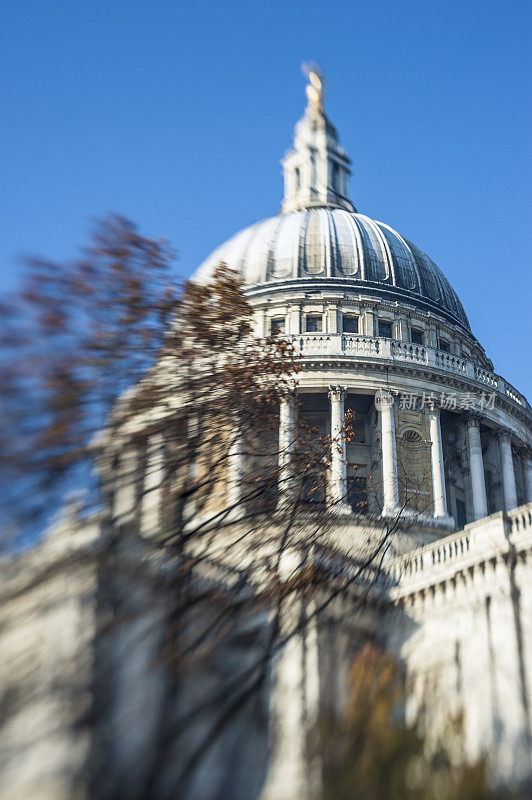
316, 170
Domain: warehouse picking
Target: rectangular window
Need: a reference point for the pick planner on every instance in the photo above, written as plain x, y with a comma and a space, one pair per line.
313, 324
416, 337
277, 326
350, 324
385, 329
444, 346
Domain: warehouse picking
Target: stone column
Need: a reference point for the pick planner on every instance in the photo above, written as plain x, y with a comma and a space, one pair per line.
332, 319
528, 478
476, 467
125, 486
402, 329
438, 471
150, 515
432, 337
390, 486
369, 326
294, 706
337, 395
235, 471
508, 473
286, 448
294, 323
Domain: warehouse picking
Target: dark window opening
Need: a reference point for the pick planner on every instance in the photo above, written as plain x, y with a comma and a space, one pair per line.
460, 514
298, 179
313, 324
444, 346
350, 324
335, 176
313, 491
277, 326
385, 329
357, 493
416, 337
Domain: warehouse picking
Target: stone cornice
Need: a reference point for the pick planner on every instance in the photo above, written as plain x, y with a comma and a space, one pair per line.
445, 378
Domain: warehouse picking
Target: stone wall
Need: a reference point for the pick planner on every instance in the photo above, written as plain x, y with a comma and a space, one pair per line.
92, 707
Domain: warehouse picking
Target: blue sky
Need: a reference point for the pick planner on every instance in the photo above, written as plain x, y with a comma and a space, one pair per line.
177, 114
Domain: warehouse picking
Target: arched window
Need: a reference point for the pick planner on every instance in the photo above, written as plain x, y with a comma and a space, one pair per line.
298, 178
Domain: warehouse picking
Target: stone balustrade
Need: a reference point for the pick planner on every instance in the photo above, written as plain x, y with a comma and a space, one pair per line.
353, 345
514, 395
449, 362
497, 533
487, 377
520, 518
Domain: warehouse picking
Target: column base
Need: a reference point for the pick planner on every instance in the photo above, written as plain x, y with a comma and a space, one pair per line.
393, 511
341, 508
444, 522
421, 517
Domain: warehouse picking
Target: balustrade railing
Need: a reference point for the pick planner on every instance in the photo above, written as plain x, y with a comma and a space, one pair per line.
361, 345
441, 553
409, 352
464, 544
450, 362
515, 396
489, 378
331, 344
520, 518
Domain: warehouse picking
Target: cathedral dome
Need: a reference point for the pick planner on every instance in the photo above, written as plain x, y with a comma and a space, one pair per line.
331, 242
319, 235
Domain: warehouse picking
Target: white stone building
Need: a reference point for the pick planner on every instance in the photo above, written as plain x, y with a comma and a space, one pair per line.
441, 439
373, 317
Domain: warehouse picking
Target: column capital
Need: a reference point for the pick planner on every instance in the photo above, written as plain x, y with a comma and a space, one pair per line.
337, 392
287, 395
503, 433
383, 399
473, 420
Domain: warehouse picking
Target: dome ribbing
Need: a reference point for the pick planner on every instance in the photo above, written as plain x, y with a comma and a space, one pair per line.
335, 243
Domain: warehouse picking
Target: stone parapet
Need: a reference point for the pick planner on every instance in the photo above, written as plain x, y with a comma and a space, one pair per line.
350, 346
500, 535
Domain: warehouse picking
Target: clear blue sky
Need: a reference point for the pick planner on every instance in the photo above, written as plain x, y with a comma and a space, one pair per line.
177, 114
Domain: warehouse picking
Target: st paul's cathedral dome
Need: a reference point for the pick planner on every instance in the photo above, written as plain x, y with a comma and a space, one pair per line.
319, 234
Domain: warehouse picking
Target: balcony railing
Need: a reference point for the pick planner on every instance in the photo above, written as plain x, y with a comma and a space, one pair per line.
502, 532
352, 345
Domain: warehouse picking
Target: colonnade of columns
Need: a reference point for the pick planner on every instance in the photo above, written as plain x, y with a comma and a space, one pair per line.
390, 484
476, 465
124, 499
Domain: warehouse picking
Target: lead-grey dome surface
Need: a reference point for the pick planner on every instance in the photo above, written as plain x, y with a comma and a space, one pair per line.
335, 243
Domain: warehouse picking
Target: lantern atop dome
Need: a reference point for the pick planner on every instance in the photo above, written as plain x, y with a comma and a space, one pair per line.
316, 170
